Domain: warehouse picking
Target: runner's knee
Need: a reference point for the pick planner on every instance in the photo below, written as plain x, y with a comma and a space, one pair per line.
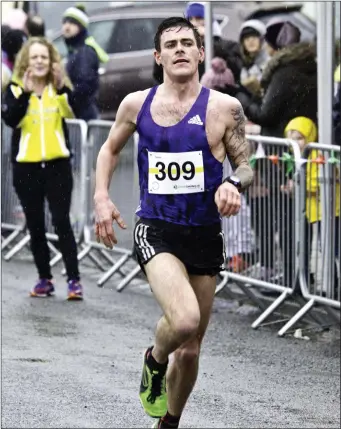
186, 326
188, 353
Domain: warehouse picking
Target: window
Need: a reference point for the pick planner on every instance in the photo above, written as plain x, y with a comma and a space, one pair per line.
102, 32
133, 35
59, 44
122, 35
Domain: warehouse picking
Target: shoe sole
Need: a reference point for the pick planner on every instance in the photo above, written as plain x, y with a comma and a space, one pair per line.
74, 297
38, 295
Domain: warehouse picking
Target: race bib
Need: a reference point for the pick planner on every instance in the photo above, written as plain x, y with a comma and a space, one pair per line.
175, 173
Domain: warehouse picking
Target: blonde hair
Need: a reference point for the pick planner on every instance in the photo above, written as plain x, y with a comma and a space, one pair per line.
22, 60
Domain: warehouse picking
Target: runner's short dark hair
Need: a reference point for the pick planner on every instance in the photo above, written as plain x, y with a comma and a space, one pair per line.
175, 22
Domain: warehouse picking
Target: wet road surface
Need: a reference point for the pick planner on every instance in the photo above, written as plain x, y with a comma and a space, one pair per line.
78, 364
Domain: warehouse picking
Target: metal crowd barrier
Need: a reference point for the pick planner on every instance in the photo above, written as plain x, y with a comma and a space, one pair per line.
268, 243
122, 192
319, 231
261, 241
13, 218
12, 221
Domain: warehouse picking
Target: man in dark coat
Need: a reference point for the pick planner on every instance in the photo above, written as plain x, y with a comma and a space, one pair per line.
84, 57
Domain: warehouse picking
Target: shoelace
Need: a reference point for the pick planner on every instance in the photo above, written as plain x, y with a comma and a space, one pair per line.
156, 387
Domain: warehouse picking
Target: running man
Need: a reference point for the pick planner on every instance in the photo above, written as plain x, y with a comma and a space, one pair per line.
185, 133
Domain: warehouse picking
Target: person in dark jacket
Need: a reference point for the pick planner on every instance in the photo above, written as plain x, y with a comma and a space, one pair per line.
228, 50
11, 43
84, 57
35, 26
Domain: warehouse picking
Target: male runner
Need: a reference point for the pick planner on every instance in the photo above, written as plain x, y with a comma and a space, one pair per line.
185, 133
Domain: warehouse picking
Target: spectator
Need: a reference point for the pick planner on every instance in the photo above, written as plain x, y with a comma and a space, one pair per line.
35, 106
254, 55
11, 43
15, 19
289, 82
84, 57
304, 131
226, 49
35, 26
218, 76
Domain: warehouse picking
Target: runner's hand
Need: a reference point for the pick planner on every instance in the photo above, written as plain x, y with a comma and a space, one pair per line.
227, 199
106, 213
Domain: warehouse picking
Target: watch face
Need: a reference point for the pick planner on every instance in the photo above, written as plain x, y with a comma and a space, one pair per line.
234, 179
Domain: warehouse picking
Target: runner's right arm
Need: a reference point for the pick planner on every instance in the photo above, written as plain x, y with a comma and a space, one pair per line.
122, 129
107, 159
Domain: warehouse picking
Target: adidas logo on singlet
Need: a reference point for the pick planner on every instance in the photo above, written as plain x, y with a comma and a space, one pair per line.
196, 120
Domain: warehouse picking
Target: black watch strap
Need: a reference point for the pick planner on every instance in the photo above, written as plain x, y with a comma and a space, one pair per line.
234, 181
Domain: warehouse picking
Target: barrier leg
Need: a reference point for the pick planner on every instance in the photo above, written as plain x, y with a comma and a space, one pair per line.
83, 253
296, 318
16, 249
333, 315
53, 248
96, 261
314, 318
111, 261
106, 256
112, 270
220, 286
253, 297
270, 309
128, 278
56, 259
87, 252
10, 238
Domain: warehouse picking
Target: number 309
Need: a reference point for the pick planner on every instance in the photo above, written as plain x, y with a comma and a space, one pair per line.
174, 171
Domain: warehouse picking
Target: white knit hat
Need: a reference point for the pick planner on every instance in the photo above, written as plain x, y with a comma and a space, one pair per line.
77, 15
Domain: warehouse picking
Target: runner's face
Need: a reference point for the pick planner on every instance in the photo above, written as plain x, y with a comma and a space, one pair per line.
179, 54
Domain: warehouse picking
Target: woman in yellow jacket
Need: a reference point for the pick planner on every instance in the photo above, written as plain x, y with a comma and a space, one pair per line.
36, 103
304, 131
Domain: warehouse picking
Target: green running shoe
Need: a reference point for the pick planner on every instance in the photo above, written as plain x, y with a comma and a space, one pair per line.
153, 395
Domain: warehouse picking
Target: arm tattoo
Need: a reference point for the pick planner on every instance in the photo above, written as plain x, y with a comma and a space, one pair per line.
237, 148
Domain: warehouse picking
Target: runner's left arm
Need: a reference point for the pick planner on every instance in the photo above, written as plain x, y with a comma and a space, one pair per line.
237, 147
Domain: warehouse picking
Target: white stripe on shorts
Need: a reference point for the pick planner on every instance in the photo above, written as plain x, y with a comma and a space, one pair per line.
141, 239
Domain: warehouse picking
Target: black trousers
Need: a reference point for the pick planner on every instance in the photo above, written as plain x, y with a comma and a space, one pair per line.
33, 182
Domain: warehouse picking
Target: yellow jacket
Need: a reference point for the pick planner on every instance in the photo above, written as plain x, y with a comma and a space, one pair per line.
41, 123
313, 204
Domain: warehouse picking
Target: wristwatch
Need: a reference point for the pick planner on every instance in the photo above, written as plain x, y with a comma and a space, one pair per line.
235, 181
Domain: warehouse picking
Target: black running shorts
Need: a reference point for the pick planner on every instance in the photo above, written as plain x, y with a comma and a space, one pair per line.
200, 248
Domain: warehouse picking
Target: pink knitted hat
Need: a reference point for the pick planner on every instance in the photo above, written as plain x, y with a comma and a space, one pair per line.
218, 76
